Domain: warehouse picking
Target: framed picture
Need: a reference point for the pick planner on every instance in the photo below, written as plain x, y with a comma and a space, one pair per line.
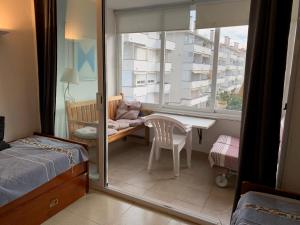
85, 60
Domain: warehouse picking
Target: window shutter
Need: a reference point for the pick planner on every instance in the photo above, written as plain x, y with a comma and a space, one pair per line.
222, 14
165, 18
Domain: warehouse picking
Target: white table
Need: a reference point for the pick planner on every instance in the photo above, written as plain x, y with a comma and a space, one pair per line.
195, 122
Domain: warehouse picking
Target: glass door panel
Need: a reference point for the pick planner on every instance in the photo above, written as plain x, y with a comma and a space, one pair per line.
77, 77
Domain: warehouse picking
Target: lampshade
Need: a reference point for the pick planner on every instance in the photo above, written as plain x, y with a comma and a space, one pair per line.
70, 76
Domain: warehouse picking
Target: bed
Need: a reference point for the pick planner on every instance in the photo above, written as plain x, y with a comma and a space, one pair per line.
39, 176
259, 205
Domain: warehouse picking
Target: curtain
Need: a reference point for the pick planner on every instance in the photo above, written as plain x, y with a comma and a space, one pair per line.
46, 35
264, 79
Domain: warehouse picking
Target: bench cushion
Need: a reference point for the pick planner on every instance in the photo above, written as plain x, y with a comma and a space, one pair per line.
90, 133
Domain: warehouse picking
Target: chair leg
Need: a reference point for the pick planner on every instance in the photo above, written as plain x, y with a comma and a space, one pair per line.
189, 149
176, 161
151, 155
157, 153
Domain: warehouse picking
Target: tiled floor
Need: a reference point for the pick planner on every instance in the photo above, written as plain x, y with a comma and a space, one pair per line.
193, 191
100, 209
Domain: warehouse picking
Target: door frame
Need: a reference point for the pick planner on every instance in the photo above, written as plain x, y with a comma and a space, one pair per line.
103, 142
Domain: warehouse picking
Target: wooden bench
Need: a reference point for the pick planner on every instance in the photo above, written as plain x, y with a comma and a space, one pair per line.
84, 113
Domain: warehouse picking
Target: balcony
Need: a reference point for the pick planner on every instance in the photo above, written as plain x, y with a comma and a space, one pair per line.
196, 84
222, 55
137, 38
144, 66
155, 88
198, 49
221, 68
197, 67
195, 101
143, 39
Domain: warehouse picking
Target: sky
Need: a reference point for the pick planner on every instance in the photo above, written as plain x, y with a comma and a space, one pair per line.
237, 34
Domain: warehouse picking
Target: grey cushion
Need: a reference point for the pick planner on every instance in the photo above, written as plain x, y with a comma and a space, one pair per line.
86, 133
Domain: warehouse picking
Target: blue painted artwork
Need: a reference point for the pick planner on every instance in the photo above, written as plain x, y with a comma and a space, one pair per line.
88, 57
85, 59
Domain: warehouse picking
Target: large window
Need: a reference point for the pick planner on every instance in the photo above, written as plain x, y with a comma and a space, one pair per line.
194, 69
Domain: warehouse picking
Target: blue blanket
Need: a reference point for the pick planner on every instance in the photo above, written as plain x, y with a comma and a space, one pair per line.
34, 161
256, 208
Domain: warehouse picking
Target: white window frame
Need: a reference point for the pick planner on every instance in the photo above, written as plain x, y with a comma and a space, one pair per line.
211, 112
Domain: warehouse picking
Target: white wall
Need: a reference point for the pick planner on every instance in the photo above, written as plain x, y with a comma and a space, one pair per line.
111, 53
288, 176
291, 176
18, 69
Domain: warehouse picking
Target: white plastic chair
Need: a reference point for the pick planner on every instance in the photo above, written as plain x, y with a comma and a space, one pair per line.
164, 137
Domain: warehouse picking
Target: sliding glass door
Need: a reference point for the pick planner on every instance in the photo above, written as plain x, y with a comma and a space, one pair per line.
77, 109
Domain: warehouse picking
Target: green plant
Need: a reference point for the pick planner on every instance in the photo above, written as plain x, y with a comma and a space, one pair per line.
223, 96
235, 102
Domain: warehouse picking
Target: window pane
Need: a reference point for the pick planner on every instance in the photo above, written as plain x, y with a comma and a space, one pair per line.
231, 67
188, 68
140, 72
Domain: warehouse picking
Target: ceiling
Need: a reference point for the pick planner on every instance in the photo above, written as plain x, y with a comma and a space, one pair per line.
125, 4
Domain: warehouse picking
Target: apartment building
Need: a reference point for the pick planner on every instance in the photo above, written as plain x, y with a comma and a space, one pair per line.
188, 65
141, 53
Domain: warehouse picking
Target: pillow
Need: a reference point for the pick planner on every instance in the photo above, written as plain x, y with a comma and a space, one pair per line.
3, 144
128, 110
89, 133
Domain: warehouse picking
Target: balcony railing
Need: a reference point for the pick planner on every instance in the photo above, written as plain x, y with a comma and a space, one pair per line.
195, 101
198, 49
196, 84
197, 67
139, 91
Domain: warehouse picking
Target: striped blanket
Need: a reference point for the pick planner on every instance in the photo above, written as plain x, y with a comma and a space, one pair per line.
225, 152
33, 161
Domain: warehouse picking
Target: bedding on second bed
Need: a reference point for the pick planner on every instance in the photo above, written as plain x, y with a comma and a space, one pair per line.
33, 161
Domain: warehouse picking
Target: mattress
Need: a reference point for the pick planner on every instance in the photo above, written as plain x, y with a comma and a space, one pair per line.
33, 161
265, 209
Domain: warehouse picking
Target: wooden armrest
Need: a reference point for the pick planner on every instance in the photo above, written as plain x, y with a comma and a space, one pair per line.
83, 123
248, 186
62, 139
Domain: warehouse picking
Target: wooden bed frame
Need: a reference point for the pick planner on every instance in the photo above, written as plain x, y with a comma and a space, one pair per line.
45, 201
